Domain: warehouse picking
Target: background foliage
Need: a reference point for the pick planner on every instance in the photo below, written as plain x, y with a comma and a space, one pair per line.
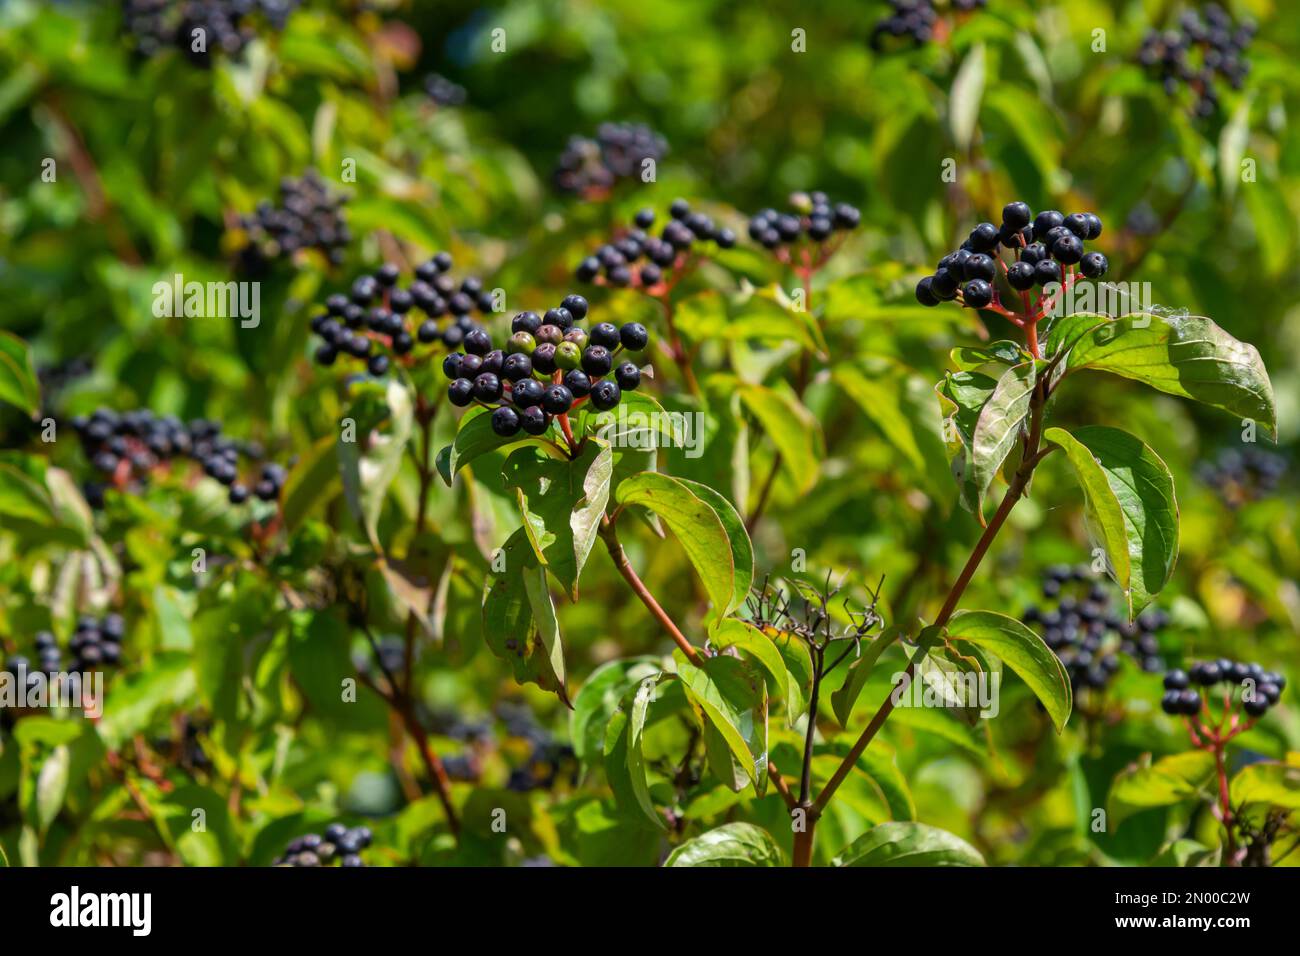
154, 157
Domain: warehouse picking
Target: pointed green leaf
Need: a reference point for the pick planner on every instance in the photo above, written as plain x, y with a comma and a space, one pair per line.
843, 700
1184, 355
908, 844
1143, 489
1024, 652
695, 524
732, 844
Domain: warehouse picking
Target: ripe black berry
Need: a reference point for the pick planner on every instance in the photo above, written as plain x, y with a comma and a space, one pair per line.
605, 394
977, 293
505, 421
487, 387
1020, 275
516, 366
527, 391
628, 376
925, 292
1093, 265
634, 336
577, 306
557, 400
461, 392
534, 420
596, 360
544, 358
578, 382
1016, 215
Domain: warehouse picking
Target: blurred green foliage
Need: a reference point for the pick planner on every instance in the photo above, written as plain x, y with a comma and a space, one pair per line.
155, 159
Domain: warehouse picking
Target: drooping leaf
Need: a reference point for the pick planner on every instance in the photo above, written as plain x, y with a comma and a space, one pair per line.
731, 696
371, 461
1142, 490
908, 844
732, 844
599, 697
1267, 784
313, 480
998, 427
18, 383
1024, 652
697, 527
563, 503
1165, 782
963, 395
1184, 355
519, 623
624, 760
758, 647
742, 549
844, 699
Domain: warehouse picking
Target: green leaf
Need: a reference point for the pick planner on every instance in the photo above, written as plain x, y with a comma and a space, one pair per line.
791, 427
1269, 784
843, 700
367, 472
52, 786
563, 503
22, 496
1102, 514
964, 101
697, 527
1001, 352
730, 694
998, 427
624, 760
906, 843
313, 480
18, 383
475, 438
598, 699
1143, 491
758, 647
1168, 781
1188, 356
519, 622
732, 844
962, 396
1024, 652
742, 549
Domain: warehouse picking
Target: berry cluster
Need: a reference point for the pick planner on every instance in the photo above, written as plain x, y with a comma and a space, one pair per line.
1044, 247
644, 261
96, 643
60, 375
547, 761
914, 21
814, 220
579, 365
370, 321
1260, 689
1086, 631
337, 843
309, 216
443, 91
1196, 53
1243, 476
590, 167
127, 447
221, 25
